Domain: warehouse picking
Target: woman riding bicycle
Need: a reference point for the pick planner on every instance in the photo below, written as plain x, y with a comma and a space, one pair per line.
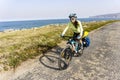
77, 28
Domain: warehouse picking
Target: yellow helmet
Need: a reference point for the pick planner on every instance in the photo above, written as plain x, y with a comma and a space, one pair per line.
85, 34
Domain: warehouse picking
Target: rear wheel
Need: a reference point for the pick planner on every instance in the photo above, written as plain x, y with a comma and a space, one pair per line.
80, 52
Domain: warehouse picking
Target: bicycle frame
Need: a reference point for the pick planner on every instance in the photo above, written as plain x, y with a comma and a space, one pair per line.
66, 53
74, 43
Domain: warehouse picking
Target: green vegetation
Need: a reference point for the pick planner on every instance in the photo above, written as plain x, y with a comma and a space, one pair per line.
95, 25
18, 46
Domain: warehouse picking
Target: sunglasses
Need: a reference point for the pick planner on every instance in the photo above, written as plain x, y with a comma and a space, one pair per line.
72, 18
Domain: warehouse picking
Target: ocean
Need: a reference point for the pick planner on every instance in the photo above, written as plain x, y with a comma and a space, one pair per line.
18, 25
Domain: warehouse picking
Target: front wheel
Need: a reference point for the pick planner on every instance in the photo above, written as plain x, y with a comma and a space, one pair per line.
65, 56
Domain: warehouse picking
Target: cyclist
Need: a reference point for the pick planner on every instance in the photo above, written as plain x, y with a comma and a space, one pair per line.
76, 27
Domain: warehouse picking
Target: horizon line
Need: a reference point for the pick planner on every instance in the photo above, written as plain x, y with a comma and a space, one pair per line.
36, 19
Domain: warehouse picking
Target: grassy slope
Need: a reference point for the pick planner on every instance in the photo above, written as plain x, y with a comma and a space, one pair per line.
18, 46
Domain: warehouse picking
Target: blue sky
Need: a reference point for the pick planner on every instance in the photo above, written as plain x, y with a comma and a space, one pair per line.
55, 9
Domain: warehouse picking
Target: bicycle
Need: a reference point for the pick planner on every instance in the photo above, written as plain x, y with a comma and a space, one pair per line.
67, 53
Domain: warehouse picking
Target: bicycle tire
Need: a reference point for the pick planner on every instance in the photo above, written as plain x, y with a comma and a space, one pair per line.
67, 58
81, 52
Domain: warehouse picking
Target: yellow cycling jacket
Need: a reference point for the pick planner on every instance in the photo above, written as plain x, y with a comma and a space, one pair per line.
79, 28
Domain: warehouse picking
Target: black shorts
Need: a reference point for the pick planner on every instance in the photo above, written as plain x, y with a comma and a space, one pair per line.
75, 35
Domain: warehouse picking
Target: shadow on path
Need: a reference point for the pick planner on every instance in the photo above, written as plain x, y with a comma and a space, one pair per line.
51, 59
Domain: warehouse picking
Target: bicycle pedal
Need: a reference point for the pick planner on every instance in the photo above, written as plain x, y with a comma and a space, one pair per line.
76, 54
79, 50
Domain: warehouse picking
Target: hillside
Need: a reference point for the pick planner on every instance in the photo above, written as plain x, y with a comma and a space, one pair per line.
114, 15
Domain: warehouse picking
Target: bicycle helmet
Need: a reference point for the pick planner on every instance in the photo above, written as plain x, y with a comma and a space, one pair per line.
72, 15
